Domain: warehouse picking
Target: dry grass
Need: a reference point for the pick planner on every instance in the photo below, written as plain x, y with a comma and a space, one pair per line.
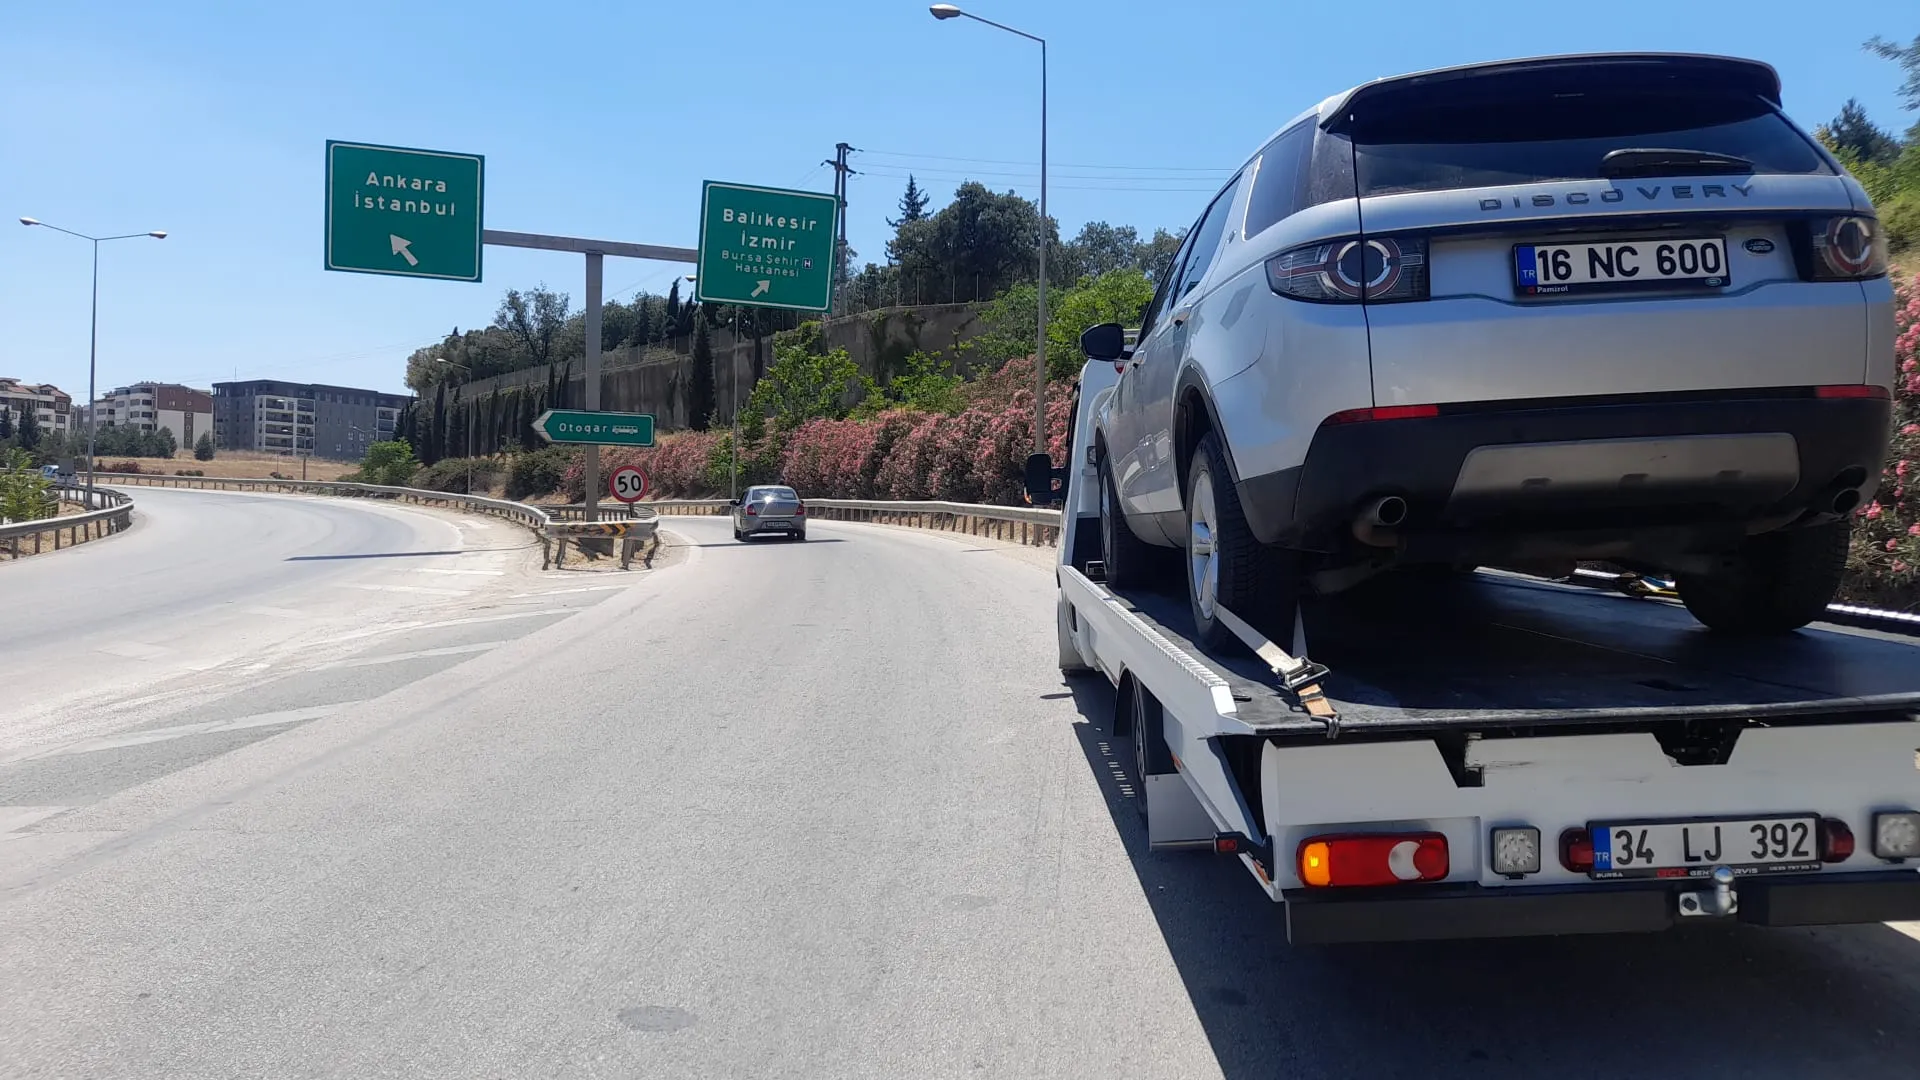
239, 464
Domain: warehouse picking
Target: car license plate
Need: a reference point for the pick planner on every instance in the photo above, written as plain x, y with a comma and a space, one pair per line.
1576, 269
1681, 849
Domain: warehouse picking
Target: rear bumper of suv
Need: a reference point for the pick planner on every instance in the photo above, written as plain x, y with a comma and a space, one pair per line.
1593, 467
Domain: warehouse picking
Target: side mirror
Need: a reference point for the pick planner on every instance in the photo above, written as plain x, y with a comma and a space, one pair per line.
733, 502
1039, 478
1107, 341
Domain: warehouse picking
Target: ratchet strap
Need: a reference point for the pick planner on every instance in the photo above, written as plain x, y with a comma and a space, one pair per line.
1298, 675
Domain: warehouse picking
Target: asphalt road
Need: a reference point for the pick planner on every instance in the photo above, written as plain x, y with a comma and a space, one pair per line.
820, 810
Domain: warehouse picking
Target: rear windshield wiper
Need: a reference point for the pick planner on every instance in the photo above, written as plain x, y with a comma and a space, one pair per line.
1660, 161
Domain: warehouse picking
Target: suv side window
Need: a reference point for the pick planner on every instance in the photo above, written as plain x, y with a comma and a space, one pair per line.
1278, 182
1206, 238
1163, 295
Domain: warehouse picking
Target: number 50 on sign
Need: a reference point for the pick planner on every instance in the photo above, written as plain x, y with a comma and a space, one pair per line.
627, 484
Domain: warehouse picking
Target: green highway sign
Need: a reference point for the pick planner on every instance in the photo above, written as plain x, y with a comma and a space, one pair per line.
766, 247
595, 428
409, 213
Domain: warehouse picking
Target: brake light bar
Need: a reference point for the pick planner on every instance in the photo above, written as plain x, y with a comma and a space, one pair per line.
1852, 390
1372, 859
1383, 412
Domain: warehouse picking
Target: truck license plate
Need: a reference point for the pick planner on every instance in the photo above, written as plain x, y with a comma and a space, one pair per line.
1573, 269
1682, 849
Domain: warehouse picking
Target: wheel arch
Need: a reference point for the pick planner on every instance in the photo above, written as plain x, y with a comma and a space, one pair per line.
1194, 415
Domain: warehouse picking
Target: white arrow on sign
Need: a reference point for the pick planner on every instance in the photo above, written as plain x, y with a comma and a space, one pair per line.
760, 286
401, 248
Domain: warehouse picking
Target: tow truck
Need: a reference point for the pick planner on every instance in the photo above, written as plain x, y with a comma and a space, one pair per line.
1495, 755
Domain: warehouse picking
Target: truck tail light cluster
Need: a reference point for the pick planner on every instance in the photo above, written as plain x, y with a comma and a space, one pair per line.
1373, 269
1372, 859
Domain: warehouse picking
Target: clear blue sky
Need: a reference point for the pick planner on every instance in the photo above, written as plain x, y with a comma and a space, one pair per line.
208, 119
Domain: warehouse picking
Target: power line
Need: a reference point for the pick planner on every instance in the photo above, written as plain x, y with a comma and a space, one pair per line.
1197, 188
1063, 164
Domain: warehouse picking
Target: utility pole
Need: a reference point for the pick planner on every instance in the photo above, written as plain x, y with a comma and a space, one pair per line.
841, 170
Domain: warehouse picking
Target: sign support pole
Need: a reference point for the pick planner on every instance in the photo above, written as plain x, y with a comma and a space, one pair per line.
595, 264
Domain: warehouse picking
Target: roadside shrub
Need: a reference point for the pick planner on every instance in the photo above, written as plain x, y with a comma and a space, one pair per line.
189, 472
450, 474
532, 473
390, 463
1884, 564
132, 467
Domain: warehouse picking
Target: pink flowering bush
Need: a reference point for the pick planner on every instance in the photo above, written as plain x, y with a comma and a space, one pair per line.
1884, 566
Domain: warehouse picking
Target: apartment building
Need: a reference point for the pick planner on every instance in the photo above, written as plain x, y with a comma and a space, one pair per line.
52, 406
151, 406
306, 419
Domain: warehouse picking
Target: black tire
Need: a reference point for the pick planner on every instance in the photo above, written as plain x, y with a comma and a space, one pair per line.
1131, 562
1776, 583
1151, 755
801, 536
740, 536
1260, 584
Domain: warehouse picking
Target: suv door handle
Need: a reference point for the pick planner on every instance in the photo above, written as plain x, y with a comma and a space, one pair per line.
1181, 315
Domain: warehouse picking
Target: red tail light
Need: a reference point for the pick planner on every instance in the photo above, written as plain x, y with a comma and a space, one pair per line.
1836, 840
1576, 850
1377, 269
1851, 390
1372, 859
751, 512
800, 510
1848, 249
1383, 412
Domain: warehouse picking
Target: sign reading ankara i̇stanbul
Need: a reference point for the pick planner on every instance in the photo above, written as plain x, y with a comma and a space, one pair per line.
408, 213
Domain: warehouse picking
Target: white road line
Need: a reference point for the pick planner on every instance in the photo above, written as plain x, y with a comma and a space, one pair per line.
135, 650
454, 570
15, 818
421, 654
563, 592
417, 624
153, 735
408, 589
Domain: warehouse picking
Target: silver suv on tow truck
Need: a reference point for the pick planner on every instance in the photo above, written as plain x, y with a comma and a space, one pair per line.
1609, 307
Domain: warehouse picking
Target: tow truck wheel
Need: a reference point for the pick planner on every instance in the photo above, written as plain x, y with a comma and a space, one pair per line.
1226, 565
1777, 582
1151, 757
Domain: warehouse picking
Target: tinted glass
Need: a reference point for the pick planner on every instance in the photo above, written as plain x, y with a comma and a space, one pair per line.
1208, 234
1277, 185
1445, 142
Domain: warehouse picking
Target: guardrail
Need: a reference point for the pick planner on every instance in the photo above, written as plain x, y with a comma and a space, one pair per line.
110, 512
1025, 524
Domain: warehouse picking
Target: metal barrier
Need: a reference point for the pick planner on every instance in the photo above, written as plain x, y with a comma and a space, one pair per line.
110, 512
1025, 524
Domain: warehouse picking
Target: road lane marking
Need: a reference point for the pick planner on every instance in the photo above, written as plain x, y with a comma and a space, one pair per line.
153, 735
15, 818
433, 590
419, 654
421, 624
563, 592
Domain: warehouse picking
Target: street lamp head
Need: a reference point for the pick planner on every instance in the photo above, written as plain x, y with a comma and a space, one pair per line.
158, 234
946, 11
29, 221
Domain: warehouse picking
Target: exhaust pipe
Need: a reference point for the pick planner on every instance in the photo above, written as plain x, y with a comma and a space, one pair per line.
1845, 502
1373, 525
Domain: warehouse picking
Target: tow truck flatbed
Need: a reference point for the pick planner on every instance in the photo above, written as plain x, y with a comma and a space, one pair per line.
1495, 650
1469, 710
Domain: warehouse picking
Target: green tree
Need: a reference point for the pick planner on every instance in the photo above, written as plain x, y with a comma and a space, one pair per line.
6, 425
26, 433
1099, 248
640, 333
1851, 133
25, 495
928, 384
1908, 57
913, 204
673, 309
203, 447
699, 386
389, 463
1120, 295
1156, 255
164, 444
533, 320
802, 385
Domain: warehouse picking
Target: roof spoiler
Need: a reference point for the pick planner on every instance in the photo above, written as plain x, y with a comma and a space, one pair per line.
1719, 72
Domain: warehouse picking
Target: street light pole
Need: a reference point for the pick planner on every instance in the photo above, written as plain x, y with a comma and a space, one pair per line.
93, 331
949, 11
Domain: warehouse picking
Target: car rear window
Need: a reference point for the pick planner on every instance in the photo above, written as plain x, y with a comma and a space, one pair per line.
1447, 142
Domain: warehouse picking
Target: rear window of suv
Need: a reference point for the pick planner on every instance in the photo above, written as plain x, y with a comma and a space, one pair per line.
1448, 142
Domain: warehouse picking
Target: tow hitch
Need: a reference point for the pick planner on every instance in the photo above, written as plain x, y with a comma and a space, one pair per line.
1721, 900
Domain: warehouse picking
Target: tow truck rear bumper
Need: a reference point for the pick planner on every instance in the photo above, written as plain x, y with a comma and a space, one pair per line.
1476, 911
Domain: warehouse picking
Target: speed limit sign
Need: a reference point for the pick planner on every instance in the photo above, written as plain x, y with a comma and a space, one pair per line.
627, 483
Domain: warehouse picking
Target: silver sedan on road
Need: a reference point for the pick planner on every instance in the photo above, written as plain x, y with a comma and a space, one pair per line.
769, 509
